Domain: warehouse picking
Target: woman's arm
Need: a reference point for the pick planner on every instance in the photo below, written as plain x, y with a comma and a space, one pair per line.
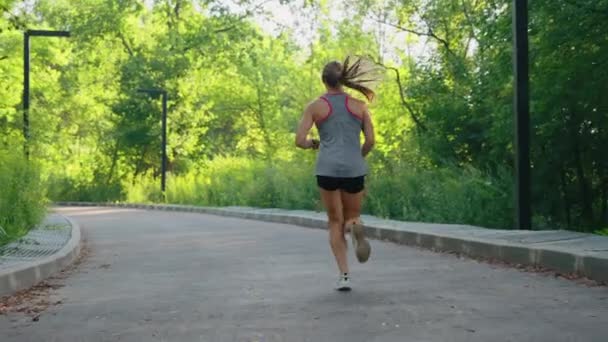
303, 128
368, 131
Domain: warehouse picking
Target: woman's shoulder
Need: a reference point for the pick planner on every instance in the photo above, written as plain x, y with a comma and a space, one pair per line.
357, 102
355, 105
318, 108
318, 103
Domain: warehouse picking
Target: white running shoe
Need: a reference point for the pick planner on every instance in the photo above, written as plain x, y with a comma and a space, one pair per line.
343, 283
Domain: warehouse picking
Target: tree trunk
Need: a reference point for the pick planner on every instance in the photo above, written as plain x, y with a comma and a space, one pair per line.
177, 8
604, 198
565, 198
114, 160
140, 162
604, 218
586, 196
262, 123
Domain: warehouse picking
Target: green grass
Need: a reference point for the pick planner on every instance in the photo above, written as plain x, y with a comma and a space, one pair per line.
62, 187
443, 195
234, 182
450, 194
602, 232
22, 196
447, 195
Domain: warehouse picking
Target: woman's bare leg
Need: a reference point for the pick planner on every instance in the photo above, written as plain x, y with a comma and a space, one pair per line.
351, 211
333, 204
351, 206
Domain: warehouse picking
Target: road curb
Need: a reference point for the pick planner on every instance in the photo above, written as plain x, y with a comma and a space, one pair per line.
590, 265
26, 275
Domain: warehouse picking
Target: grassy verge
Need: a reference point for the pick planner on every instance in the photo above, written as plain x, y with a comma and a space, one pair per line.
22, 196
447, 195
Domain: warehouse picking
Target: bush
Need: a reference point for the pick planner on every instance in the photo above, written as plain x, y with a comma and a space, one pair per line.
234, 182
62, 187
22, 196
447, 195
405, 192
602, 232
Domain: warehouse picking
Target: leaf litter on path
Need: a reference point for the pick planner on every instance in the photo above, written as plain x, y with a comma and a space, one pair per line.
37, 299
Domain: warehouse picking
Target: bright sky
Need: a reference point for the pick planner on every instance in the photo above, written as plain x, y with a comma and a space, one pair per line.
283, 16
273, 17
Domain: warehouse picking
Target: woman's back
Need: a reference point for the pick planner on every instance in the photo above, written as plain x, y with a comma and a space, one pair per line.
340, 133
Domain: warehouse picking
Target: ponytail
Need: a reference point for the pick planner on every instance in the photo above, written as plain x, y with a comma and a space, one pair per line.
362, 75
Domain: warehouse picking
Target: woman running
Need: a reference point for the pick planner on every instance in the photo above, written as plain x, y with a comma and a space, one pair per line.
341, 167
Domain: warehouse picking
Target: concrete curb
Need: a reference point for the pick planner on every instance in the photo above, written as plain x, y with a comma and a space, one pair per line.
26, 275
474, 242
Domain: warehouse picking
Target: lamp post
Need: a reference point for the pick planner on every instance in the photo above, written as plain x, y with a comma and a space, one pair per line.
26, 77
163, 93
522, 115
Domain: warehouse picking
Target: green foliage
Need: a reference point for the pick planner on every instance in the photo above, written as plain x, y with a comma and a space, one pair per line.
446, 195
443, 116
235, 181
81, 188
22, 196
440, 195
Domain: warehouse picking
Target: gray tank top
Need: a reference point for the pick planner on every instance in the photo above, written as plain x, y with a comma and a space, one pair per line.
340, 133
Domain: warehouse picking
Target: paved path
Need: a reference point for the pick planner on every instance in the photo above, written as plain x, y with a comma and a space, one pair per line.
169, 276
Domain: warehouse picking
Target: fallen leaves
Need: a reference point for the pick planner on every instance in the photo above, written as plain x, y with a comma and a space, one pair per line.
37, 299
30, 302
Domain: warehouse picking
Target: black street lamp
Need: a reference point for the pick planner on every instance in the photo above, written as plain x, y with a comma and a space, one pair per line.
163, 93
26, 76
523, 209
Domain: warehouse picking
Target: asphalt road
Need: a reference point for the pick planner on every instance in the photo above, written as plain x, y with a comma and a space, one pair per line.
169, 276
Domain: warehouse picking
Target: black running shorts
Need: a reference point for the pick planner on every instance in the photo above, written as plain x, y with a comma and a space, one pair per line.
351, 185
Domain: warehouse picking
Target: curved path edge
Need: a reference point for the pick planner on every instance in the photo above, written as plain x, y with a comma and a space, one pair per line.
25, 275
561, 251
